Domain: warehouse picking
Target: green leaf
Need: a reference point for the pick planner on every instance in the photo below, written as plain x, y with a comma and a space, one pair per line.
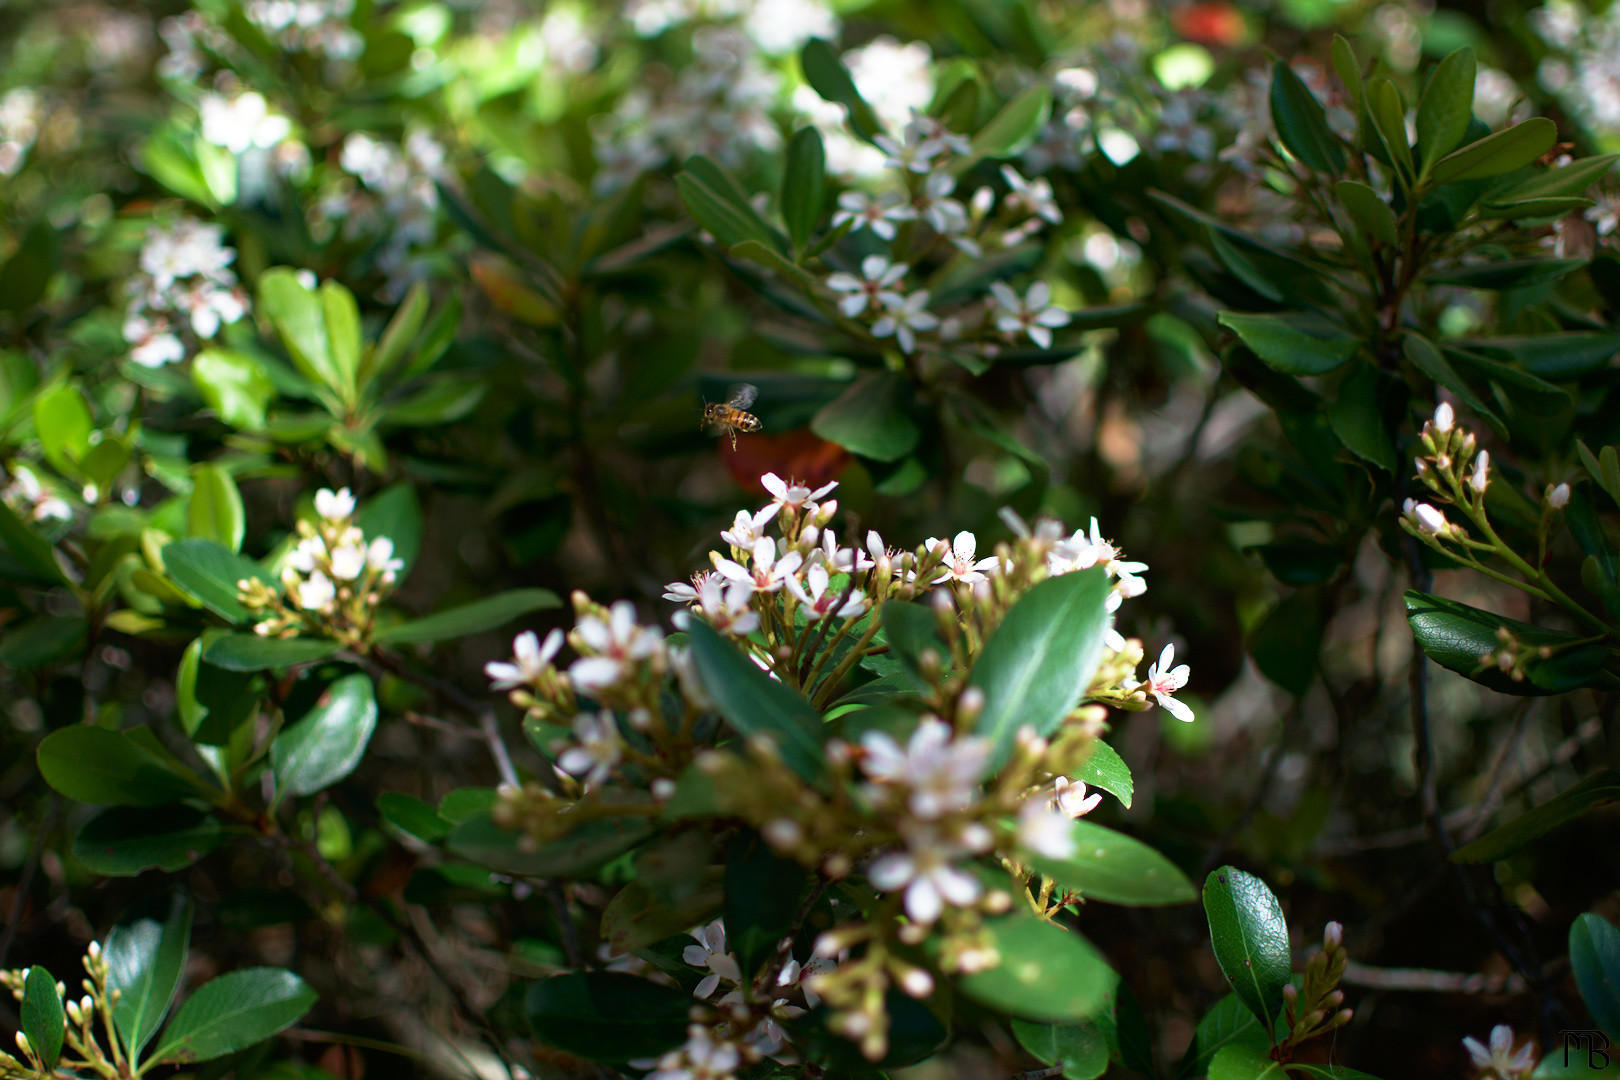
1572, 179
637, 916
208, 572
26, 275
298, 316
326, 745
1427, 359
397, 337
232, 1012
763, 892
1603, 468
1446, 106
29, 548
1501, 152
413, 816
872, 418
1250, 939
1347, 67
251, 652
343, 336
1011, 130
1244, 1061
1228, 1021
581, 851
63, 423
606, 1016
43, 1019
1507, 273
113, 768
828, 76
444, 400
44, 641
1594, 956
1531, 209
1105, 769
1117, 869
1293, 344
125, 842
146, 957
803, 184
1456, 636
1038, 663
1599, 789
212, 702
473, 618
910, 628
235, 385
755, 704
1369, 209
1357, 415
1285, 644
1081, 1050
1301, 122
395, 513
729, 222
1384, 106
214, 511
1048, 973
1551, 356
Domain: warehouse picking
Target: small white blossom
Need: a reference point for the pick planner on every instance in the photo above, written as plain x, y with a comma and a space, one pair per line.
1500, 1061
726, 605
599, 749
615, 644
940, 772
1480, 477
334, 506
242, 123
874, 289
1069, 797
316, 592
710, 953
959, 562
944, 214
767, 573
1164, 680
1045, 831
348, 562
913, 154
1558, 496
904, 318
1033, 314
791, 493
925, 870
879, 214
380, 558
1428, 519
1033, 196
703, 1057
747, 528
1444, 417
819, 603
529, 658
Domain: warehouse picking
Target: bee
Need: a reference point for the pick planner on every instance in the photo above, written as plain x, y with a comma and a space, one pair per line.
733, 416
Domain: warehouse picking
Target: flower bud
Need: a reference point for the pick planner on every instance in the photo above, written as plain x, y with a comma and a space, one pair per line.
1332, 936
1480, 476
1444, 417
1557, 496
22, 1044
1430, 520
969, 704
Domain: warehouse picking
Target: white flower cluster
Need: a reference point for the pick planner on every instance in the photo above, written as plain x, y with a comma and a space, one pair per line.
389, 189
185, 280
776, 27
241, 123
31, 500
319, 27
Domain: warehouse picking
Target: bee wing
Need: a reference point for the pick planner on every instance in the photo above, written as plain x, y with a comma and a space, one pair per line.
742, 395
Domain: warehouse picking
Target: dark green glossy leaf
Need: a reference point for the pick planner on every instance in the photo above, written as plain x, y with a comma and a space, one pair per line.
44, 641
910, 628
328, 742
1117, 869
1383, 106
146, 957
1105, 769
1081, 1050
606, 1016
1250, 939
828, 76
586, 848
871, 418
1039, 662
1594, 956
729, 222
444, 400
1456, 636
1293, 344
763, 892
43, 1018
755, 704
251, 652
1598, 789
1048, 973
1502, 152
234, 1011
125, 842
1532, 209
94, 765
395, 513
29, 548
474, 618
208, 572
1228, 1021
1446, 106
1360, 415
413, 816
803, 184
1551, 356
1301, 122
235, 385
1369, 209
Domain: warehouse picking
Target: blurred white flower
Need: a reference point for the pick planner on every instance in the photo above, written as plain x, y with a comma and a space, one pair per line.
1070, 799
925, 870
874, 289
316, 591
599, 749
335, 506
878, 214
1044, 831
903, 319
1032, 314
242, 123
940, 772
1500, 1061
529, 658
615, 645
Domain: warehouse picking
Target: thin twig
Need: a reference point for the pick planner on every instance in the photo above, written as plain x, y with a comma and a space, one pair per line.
1440, 982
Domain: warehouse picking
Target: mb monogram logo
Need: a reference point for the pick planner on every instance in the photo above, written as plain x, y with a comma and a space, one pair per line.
1594, 1042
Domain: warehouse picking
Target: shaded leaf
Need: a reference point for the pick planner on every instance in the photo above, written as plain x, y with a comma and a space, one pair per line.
412, 815
1369, 209
94, 765
1446, 106
234, 1011
763, 892
606, 1016
1457, 636
328, 742
1293, 344
827, 76
43, 1018
586, 848
1286, 642
1599, 789
1250, 939
803, 184
208, 572
125, 842
1594, 956
754, 704
474, 618
251, 652
1502, 152
1301, 123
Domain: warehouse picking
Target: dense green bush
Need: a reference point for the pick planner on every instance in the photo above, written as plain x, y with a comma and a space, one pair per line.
345, 345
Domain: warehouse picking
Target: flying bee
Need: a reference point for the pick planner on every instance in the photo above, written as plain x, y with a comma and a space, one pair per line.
732, 415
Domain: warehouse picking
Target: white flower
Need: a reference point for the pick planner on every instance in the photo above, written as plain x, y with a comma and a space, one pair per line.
1033, 196
598, 751
242, 123
348, 562
1070, 799
702, 1058
904, 318
944, 214
1500, 1061
747, 528
1164, 680
710, 953
878, 214
913, 153
1044, 831
1033, 314
873, 289
768, 574
924, 870
792, 493
316, 592
529, 659
688, 592
941, 773
1428, 519
158, 349
851, 560
726, 605
615, 644
334, 506
959, 564
819, 603
380, 558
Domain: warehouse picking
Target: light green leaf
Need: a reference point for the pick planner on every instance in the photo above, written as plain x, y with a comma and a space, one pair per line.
1347, 67
251, 652
343, 336
1117, 869
398, 336
474, 618
1250, 940
1048, 973
1293, 344
235, 385
233, 1012
208, 572
328, 742
1039, 662
146, 957
214, 511
62, 422
1244, 1061
1105, 769
298, 316
112, 768
803, 184
1081, 1050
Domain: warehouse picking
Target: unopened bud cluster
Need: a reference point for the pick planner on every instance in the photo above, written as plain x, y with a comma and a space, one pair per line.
332, 582
81, 1049
1315, 1009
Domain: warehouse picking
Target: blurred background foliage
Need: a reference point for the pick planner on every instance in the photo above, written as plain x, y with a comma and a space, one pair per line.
501, 180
